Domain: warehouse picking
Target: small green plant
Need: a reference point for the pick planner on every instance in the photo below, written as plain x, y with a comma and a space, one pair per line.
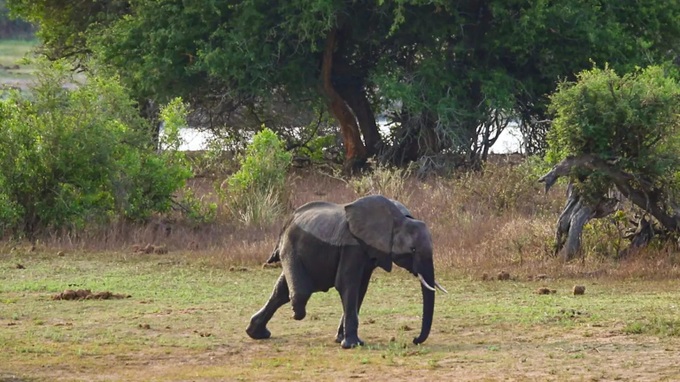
319, 148
196, 210
605, 237
256, 194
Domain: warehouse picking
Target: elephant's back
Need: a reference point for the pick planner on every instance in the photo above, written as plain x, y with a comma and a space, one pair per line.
325, 221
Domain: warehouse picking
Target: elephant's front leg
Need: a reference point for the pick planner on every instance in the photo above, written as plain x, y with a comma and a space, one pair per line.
349, 287
362, 293
350, 304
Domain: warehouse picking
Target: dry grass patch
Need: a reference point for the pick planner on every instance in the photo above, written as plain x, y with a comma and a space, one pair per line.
86, 294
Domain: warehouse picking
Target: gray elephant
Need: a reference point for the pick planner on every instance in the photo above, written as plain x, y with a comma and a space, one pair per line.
325, 244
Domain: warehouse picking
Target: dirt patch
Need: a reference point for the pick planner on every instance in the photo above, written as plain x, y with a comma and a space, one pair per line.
86, 294
238, 269
501, 276
150, 248
272, 265
538, 277
545, 290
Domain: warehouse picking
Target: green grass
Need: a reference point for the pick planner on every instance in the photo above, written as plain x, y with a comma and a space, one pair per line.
12, 52
186, 320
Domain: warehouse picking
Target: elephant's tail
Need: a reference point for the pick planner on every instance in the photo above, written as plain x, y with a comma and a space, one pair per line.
275, 256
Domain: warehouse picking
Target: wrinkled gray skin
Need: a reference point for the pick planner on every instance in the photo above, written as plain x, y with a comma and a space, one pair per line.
326, 245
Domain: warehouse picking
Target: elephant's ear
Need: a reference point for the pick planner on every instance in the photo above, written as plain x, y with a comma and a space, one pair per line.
372, 220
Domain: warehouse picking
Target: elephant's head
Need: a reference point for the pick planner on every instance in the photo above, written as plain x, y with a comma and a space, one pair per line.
394, 236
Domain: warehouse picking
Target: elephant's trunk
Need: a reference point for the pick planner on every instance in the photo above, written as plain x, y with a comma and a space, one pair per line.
427, 273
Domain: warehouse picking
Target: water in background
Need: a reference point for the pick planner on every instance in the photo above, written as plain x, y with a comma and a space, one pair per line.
510, 140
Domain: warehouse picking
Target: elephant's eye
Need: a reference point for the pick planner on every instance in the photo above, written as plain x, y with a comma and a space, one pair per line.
413, 249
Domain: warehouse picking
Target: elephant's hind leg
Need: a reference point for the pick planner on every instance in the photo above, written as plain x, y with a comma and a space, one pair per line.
258, 323
300, 285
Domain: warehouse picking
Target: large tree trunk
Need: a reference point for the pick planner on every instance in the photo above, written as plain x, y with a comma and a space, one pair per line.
356, 99
577, 212
355, 151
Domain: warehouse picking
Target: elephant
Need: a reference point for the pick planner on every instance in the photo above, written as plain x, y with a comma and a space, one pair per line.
324, 245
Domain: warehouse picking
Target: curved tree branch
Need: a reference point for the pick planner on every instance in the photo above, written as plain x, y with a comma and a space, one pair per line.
577, 211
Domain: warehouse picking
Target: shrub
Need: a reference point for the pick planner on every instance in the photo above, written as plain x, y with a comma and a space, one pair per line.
631, 121
384, 180
71, 158
256, 193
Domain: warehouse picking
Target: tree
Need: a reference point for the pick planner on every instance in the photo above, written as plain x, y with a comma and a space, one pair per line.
620, 133
450, 74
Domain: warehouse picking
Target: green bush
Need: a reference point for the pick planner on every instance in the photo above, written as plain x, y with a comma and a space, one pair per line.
256, 193
632, 121
72, 158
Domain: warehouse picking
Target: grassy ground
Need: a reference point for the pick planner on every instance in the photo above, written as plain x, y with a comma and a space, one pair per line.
187, 313
12, 70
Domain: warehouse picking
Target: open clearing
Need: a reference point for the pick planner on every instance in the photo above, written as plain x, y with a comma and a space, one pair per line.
13, 71
185, 320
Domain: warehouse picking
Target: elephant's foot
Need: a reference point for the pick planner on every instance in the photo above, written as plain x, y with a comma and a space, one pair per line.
258, 332
339, 337
348, 343
299, 306
299, 313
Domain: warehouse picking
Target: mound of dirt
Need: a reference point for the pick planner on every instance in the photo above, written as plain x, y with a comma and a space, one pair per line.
150, 248
272, 265
503, 276
579, 289
545, 290
537, 277
86, 294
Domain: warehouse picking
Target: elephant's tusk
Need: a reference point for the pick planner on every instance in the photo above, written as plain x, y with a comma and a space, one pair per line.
441, 288
425, 284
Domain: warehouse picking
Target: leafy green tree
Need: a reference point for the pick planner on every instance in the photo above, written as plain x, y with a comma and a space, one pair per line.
451, 74
616, 132
71, 159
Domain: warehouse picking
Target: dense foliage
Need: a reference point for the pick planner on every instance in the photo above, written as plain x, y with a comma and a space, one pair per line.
630, 121
617, 138
450, 74
72, 158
